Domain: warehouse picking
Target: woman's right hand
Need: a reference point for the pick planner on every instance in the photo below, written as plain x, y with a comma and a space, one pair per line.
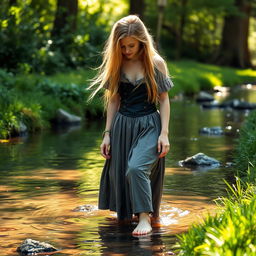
105, 146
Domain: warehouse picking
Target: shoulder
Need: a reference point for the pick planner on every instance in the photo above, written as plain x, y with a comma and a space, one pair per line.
160, 64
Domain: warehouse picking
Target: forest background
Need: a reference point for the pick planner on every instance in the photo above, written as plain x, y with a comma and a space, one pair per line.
46, 36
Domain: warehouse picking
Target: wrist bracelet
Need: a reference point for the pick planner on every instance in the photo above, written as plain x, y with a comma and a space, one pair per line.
105, 132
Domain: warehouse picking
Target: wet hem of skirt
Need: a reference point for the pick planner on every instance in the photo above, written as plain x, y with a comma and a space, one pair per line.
143, 210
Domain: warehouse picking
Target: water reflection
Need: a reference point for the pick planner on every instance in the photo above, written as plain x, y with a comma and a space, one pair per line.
43, 177
116, 239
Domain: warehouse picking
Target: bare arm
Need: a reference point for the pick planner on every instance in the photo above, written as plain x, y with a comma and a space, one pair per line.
163, 141
112, 108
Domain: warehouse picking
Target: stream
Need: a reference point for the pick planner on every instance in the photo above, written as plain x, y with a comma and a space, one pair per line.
45, 176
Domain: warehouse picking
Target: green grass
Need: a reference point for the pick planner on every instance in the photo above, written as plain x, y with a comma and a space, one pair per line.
230, 232
190, 77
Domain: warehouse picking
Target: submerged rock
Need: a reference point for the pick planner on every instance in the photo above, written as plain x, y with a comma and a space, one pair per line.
204, 96
200, 159
238, 104
229, 103
216, 130
63, 116
85, 208
243, 105
234, 104
31, 247
213, 104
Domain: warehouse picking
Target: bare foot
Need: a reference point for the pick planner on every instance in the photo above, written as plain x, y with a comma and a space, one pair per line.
144, 225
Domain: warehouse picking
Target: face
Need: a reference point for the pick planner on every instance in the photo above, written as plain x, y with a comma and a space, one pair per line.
130, 47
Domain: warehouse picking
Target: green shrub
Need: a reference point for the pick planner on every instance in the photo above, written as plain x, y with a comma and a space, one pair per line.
231, 232
246, 146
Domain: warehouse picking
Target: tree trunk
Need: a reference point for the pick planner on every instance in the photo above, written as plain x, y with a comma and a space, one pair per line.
65, 17
137, 7
12, 2
234, 49
181, 28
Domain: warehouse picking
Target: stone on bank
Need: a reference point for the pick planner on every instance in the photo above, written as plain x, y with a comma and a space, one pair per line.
64, 117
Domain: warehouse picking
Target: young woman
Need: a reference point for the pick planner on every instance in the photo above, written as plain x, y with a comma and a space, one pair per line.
135, 139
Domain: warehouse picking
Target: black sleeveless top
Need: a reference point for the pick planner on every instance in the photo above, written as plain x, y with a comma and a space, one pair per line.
134, 97
134, 101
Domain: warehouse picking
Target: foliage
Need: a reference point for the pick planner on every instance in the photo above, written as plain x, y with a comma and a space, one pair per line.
246, 146
231, 232
192, 27
34, 99
26, 44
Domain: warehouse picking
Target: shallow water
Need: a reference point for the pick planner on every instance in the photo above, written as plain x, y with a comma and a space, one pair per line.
44, 177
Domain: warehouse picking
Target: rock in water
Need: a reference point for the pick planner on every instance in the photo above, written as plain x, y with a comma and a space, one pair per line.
67, 118
200, 159
204, 96
238, 104
216, 130
31, 247
212, 104
85, 208
20, 130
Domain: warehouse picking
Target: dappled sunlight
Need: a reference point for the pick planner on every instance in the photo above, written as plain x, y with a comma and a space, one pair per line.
214, 79
115, 7
246, 72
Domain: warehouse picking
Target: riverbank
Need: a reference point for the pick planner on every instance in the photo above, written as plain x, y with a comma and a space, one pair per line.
232, 231
32, 99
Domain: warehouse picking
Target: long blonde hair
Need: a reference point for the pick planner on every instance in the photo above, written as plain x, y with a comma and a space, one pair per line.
110, 69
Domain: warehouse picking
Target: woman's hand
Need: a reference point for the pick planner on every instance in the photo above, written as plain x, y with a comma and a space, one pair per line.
105, 146
163, 145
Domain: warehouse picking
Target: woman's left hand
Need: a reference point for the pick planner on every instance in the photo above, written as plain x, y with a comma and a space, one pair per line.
163, 145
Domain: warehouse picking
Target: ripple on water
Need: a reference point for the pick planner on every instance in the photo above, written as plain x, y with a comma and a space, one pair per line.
170, 215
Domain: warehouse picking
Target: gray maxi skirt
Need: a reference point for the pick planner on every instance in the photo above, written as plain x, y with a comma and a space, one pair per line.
132, 179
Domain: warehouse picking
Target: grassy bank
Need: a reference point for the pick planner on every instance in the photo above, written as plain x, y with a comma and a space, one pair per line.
33, 99
190, 77
233, 230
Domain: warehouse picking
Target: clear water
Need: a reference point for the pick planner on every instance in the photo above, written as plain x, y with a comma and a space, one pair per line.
43, 177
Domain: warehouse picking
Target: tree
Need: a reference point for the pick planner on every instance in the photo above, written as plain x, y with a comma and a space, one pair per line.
180, 30
192, 28
234, 50
137, 7
64, 28
65, 17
